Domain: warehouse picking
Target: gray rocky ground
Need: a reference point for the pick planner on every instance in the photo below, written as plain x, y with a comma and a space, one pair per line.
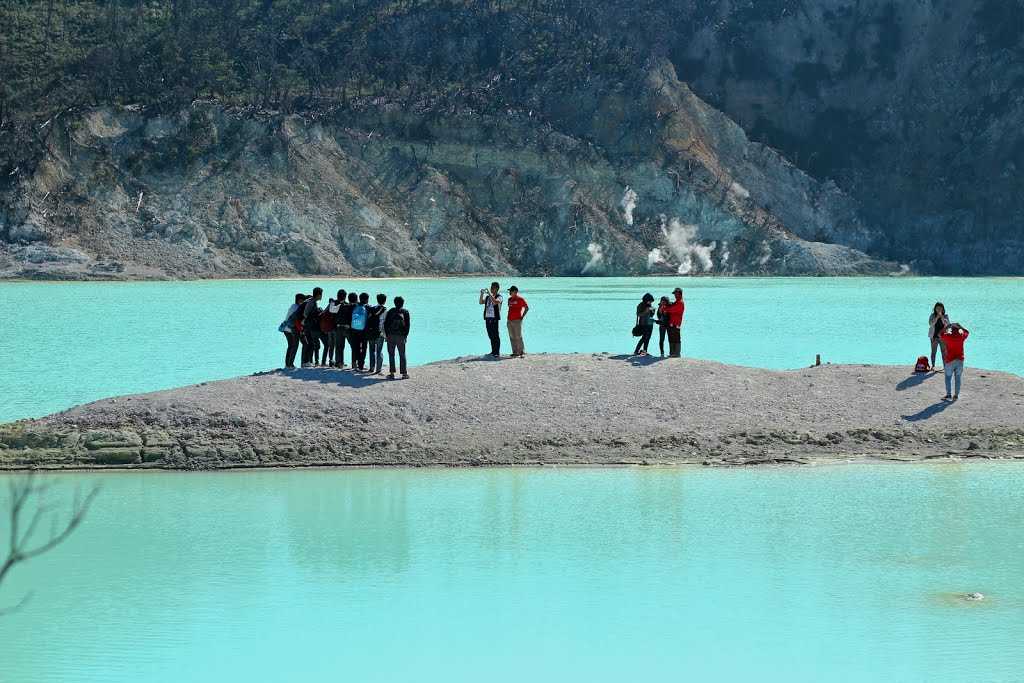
545, 409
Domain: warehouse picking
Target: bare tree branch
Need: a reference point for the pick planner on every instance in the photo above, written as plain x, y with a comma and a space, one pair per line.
27, 495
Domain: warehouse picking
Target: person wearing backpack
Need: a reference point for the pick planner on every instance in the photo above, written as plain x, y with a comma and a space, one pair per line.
644, 324
291, 335
358, 340
491, 301
374, 336
311, 328
396, 331
342, 324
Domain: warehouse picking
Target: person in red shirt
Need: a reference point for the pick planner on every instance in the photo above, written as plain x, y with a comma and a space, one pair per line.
675, 311
517, 310
953, 338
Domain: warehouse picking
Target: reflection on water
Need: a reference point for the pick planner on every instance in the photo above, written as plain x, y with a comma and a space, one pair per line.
348, 528
533, 574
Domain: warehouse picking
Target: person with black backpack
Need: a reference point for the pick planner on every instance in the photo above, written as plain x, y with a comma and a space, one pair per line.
396, 331
374, 338
343, 324
311, 328
644, 324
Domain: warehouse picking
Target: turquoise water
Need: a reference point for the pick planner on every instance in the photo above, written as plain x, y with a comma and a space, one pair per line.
832, 573
67, 343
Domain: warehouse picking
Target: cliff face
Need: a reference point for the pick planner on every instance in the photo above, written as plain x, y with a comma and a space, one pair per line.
650, 180
913, 108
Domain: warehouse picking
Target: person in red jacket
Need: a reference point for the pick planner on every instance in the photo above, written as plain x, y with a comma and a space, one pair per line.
675, 311
953, 338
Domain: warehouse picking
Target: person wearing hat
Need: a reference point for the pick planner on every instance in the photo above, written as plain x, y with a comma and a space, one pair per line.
644, 323
517, 310
491, 301
675, 311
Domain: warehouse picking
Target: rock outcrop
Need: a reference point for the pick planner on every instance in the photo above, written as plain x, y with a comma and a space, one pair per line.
655, 181
545, 409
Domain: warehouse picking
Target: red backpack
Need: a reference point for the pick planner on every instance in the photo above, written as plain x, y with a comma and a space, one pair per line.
922, 364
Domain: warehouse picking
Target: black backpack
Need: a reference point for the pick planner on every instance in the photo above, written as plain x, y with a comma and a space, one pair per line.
373, 320
394, 323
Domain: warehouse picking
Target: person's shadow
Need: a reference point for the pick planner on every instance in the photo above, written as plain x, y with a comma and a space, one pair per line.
929, 412
914, 380
321, 375
640, 361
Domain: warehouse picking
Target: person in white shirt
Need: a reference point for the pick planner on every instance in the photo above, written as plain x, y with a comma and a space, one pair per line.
491, 301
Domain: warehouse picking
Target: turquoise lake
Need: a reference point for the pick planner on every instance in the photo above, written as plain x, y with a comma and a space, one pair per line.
68, 343
829, 573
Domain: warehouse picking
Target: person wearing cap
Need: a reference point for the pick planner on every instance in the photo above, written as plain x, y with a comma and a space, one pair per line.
675, 311
491, 301
517, 310
644, 323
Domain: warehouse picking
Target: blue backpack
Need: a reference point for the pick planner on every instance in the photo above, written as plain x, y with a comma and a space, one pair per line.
359, 317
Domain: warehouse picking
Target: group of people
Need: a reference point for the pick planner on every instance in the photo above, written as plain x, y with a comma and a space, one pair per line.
492, 301
947, 337
367, 328
349, 318
668, 316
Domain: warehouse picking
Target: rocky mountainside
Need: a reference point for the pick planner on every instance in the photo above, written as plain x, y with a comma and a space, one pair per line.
913, 108
163, 138
664, 184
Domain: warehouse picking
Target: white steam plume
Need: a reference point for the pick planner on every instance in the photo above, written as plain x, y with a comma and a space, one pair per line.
628, 204
654, 257
690, 254
596, 257
739, 190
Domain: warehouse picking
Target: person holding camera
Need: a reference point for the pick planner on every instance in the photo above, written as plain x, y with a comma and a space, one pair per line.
953, 338
491, 301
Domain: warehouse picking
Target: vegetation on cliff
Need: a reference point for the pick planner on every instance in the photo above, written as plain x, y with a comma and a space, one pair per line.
908, 107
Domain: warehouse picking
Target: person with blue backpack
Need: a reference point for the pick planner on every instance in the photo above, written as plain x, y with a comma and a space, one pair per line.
358, 339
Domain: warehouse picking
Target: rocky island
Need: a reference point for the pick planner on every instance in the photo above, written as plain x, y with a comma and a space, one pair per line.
585, 409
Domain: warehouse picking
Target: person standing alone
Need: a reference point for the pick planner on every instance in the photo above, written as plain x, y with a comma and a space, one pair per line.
517, 310
675, 311
491, 301
953, 338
